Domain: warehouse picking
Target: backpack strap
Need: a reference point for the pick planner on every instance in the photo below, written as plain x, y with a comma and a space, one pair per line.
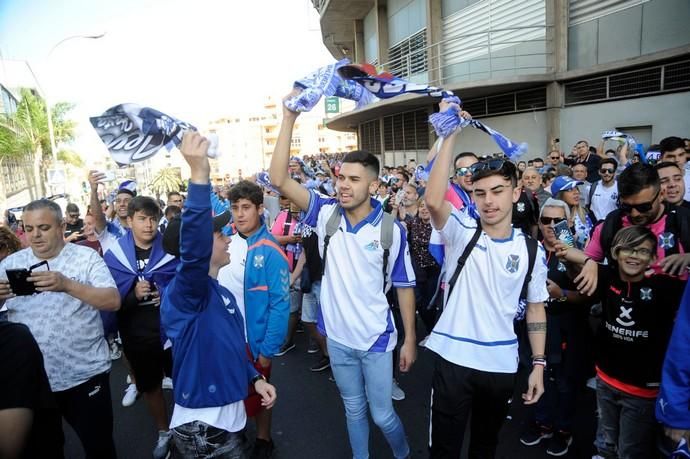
332, 226
287, 223
592, 189
387, 227
610, 226
532, 246
463, 258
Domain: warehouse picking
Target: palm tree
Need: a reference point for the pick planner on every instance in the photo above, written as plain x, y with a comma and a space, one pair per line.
166, 180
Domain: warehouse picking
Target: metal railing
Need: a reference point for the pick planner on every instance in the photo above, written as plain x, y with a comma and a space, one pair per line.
483, 55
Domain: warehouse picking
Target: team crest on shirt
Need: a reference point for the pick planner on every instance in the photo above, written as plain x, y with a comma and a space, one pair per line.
646, 294
667, 240
513, 263
373, 245
258, 261
520, 206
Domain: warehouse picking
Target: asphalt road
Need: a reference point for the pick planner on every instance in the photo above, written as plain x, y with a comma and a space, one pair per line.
309, 421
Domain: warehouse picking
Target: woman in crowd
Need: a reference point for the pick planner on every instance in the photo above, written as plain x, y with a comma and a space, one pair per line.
566, 189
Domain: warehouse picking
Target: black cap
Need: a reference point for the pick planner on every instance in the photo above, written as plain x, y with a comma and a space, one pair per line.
171, 237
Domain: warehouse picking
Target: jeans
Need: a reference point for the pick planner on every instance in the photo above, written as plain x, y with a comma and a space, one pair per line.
628, 423
197, 440
367, 377
556, 407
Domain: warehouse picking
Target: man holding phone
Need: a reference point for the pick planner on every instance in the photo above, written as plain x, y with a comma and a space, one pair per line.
63, 317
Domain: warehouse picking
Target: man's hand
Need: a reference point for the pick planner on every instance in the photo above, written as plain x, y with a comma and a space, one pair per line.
73, 237
264, 362
267, 392
555, 291
5, 290
677, 434
586, 281
49, 281
535, 385
95, 178
194, 148
408, 355
142, 290
287, 113
676, 264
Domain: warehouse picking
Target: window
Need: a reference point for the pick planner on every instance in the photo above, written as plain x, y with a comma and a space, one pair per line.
370, 136
406, 131
409, 56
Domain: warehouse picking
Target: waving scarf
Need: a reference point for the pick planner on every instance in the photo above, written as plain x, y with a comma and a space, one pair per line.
133, 133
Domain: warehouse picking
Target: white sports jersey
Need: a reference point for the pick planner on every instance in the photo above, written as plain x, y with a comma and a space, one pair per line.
232, 276
475, 329
604, 200
354, 309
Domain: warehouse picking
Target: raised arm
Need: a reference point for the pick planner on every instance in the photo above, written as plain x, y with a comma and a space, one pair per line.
281, 157
98, 216
436, 188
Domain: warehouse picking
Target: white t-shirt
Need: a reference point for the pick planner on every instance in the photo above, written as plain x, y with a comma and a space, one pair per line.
355, 311
232, 276
68, 331
604, 199
475, 329
231, 417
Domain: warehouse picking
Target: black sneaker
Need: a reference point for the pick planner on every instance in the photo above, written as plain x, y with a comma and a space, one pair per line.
534, 434
263, 449
321, 365
559, 443
285, 348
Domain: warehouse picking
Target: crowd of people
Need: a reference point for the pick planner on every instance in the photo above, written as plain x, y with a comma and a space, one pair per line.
541, 276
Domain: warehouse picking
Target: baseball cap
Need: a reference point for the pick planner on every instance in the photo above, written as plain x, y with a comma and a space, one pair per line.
563, 183
171, 237
129, 187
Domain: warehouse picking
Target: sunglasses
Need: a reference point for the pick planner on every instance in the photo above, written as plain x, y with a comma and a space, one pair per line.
462, 171
606, 171
490, 165
641, 208
73, 215
548, 220
554, 157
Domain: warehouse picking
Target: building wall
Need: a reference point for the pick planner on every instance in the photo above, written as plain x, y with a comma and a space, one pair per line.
405, 17
371, 40
664, 115
650, 27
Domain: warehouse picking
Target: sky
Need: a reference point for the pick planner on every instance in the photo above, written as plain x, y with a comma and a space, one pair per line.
196, 61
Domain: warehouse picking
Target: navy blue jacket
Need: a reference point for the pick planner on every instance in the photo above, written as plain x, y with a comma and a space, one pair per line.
211, 366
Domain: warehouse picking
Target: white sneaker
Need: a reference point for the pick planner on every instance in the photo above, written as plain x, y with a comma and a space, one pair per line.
162, 448
397, 392
167, 383
131, 395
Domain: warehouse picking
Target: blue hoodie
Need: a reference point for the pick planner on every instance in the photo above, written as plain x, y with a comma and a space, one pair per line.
266, 293
211, 367
673, 403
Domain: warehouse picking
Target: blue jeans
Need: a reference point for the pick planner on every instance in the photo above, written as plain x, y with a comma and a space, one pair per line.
367, 377
627, 422
198, 440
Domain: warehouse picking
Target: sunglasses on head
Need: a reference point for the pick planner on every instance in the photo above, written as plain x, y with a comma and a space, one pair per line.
605, 170
490, 165
462, 171
641, 208
549, 220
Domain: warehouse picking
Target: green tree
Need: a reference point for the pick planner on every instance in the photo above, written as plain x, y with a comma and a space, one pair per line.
166, 180
25, 132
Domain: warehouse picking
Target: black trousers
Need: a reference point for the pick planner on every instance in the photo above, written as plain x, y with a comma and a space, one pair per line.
88, 409
459, 391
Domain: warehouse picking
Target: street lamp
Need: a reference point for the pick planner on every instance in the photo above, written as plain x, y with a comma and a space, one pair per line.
51, 132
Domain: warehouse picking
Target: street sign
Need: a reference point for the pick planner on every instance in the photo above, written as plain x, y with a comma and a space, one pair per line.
332, 105
56, 177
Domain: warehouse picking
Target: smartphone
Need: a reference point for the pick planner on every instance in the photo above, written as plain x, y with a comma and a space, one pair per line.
109, 176
18, 279
563, 233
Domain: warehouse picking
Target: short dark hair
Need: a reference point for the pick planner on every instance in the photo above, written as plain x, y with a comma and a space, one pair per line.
172, 211
148, 206
366, 159
671, 144
174, 193
582, 141
636, 178
609, 161
508, 171
71, 208
541, 160
665, 164
244, 189
464, 154
43, 203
